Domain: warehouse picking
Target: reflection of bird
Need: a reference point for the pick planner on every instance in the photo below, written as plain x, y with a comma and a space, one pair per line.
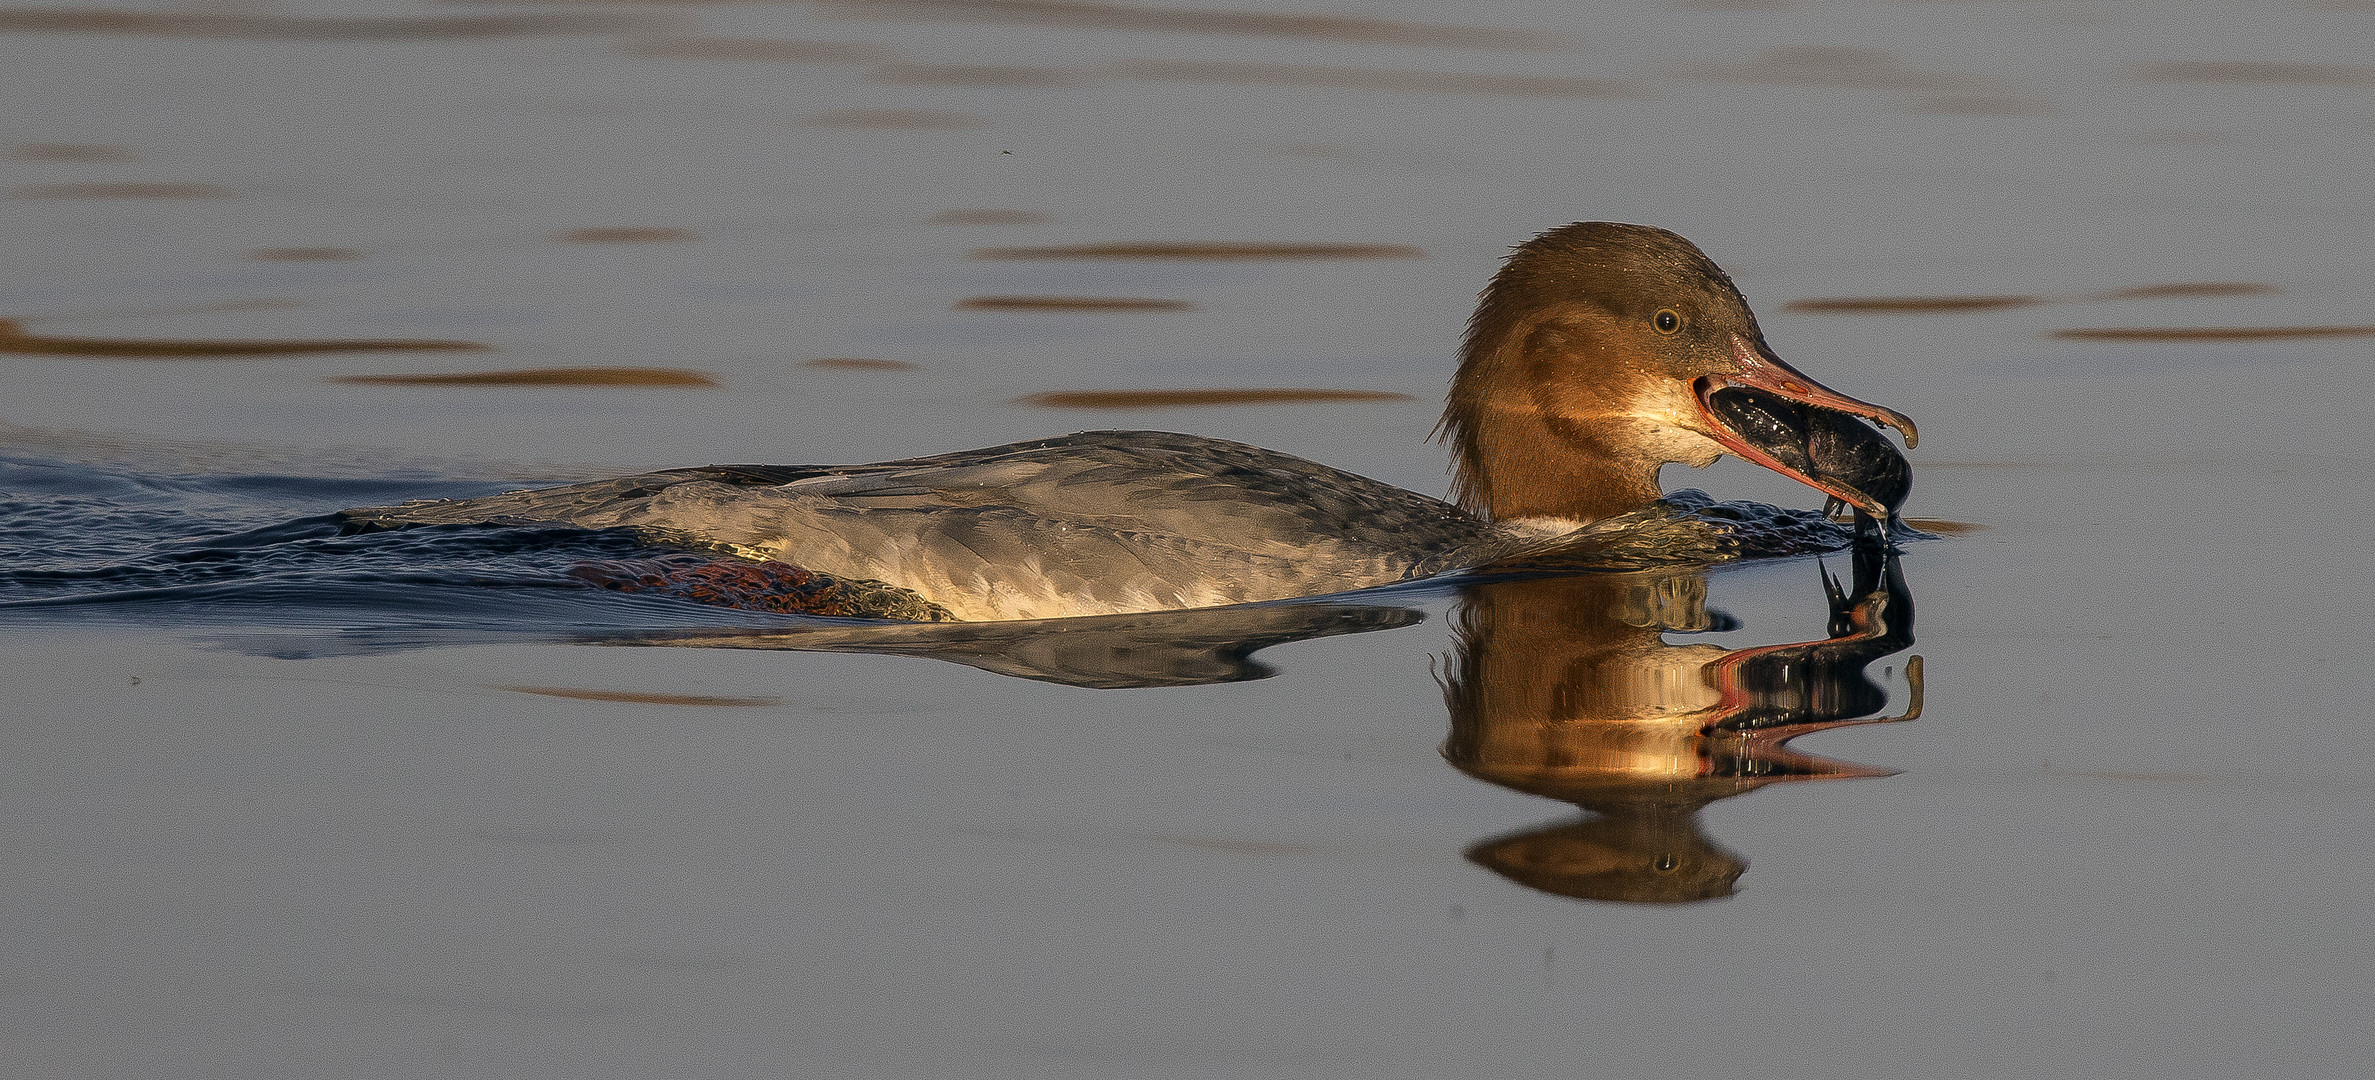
1565, 688
1140, 649
1599, 353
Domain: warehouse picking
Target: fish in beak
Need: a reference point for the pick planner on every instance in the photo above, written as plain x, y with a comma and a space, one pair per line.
1771, 414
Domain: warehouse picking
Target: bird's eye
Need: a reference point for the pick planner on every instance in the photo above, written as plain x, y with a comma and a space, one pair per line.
1668, 322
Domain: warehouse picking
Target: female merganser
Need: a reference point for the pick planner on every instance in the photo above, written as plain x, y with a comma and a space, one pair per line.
1599, 353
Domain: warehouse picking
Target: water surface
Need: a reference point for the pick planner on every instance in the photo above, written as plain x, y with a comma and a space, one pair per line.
422, 803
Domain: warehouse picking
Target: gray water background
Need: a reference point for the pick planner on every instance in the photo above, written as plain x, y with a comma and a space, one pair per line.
2130, 836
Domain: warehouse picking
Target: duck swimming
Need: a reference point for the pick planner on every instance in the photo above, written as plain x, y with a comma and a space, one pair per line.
1599, 352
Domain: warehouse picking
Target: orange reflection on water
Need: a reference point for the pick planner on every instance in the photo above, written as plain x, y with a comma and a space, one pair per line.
269, 26
304, 254
2258, 71
1982, 105
989, 217
2210, 333
1318, 150
1908, 304
858, 363
1943, 527
919, 119
1162, 250
1160, 399
1070, 303
1191, 20
1843, 67
774, 50
70, 152
627, 235
14, 339
120, 191
1891, 305
970, 75
1435, 82
638, 697
1235, 847
2189, 288
567, 376
257, 303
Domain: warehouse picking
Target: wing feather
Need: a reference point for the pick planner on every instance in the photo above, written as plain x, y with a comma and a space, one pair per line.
1094, 522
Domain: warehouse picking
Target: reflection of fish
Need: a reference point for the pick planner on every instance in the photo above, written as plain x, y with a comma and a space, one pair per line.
1565, 688
1598, 354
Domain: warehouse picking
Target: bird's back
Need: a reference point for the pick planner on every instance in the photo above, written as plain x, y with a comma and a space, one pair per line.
1094, 523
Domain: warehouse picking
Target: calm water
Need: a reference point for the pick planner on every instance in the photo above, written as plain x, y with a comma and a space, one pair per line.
306, 804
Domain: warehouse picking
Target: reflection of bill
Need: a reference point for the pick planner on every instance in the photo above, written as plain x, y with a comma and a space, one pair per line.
1566, 688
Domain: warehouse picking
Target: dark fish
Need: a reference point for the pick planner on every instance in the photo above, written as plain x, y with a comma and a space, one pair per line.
1849, 451
1825, 444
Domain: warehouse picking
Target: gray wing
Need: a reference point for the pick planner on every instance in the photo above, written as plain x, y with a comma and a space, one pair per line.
1092, 523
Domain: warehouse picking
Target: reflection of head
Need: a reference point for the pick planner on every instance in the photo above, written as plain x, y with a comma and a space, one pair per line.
1635, 858
1566, 688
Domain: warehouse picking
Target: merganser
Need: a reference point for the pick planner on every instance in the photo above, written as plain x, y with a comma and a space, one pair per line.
1599, 352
